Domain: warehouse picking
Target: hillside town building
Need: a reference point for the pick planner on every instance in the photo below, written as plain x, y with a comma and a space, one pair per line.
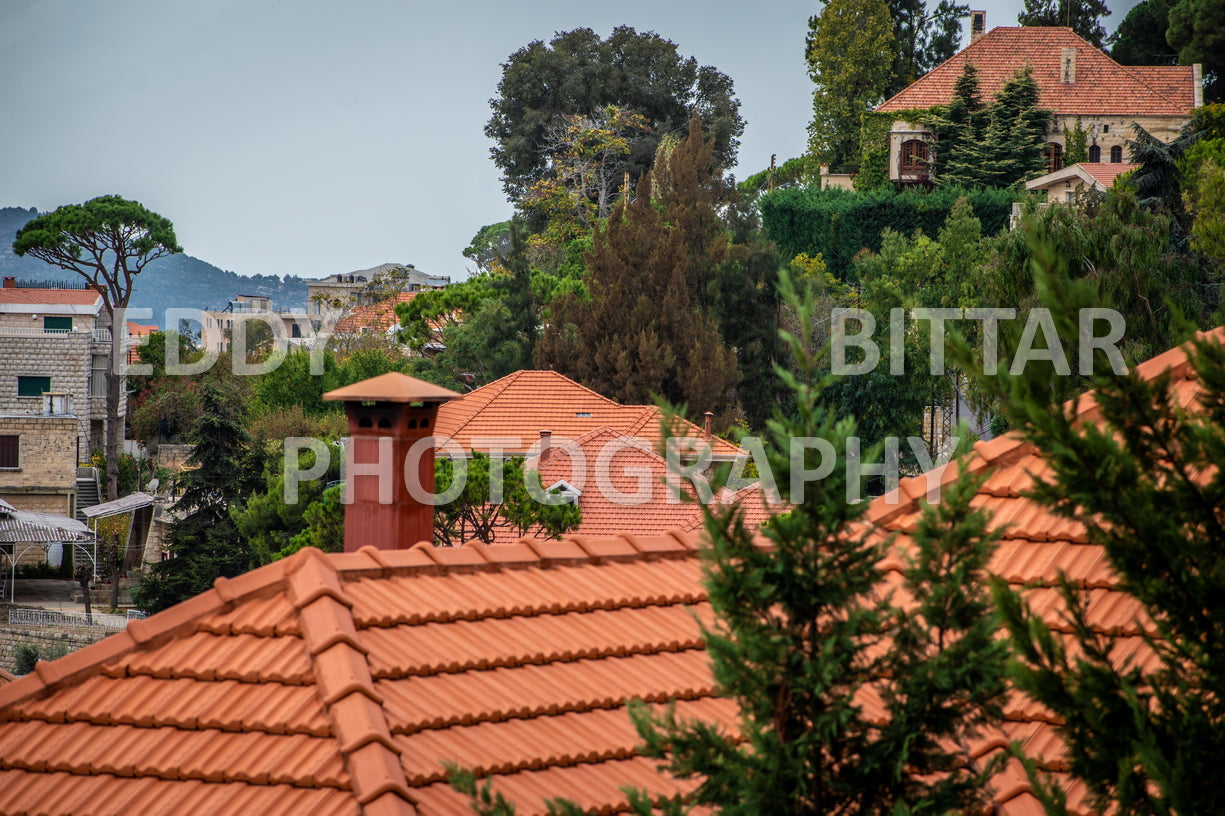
1076, 81
56, 341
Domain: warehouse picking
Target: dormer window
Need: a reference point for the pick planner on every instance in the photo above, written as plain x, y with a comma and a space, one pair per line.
914, 156
569, 493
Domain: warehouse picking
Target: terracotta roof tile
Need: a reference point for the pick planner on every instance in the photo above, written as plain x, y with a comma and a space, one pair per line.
63, 297
1102, 86
376, 317
521, 405
338, 684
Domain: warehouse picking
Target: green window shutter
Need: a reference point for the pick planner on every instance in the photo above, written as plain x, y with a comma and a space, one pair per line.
57, 323
33, 386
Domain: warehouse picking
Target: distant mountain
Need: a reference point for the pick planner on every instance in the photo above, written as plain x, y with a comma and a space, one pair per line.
177, 281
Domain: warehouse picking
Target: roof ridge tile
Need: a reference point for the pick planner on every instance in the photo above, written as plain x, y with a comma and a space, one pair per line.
346, 688
311, 577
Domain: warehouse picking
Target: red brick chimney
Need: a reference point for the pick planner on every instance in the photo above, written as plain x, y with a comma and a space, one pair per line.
10, 283
706, 428
387, 414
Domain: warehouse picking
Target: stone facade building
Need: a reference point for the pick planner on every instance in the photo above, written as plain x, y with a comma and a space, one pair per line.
57, 341
1076, 81
330, 298
217, 326
38, 462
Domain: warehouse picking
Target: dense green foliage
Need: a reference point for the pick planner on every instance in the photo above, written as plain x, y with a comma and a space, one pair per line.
1144, 479
837, 224
1140, 38
922, 38
849, 52
1082, 16
510, 512
204, 541
1197, 33
578, 73
995, 145
646, 330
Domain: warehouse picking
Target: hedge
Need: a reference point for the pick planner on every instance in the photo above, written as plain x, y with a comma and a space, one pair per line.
839, 223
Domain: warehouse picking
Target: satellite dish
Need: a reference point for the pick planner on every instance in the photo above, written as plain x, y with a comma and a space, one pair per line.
55, 554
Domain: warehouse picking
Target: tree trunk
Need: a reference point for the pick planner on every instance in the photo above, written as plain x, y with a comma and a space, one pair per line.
114, 383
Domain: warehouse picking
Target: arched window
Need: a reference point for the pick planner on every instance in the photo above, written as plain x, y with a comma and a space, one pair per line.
914, 156
1054, 157
1095, 154
1116, 154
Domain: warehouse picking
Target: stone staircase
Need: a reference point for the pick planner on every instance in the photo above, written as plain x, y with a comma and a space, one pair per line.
87, 490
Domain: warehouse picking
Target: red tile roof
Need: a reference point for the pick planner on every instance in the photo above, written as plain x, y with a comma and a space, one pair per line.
1106, 173
340, 683
378, 317
521, 405
1102, 86
61, 297
138, 330
622, 484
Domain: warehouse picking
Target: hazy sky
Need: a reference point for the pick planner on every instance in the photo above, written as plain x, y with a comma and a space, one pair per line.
307, 137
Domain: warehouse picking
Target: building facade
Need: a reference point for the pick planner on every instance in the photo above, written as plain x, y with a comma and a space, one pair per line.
56, 341
1079, 84
330, 298
38, 460
217, 326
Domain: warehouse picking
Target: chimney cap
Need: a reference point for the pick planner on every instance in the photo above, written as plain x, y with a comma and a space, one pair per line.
392, 387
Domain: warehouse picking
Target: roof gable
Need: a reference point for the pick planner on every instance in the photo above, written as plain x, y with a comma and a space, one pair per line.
1101, 86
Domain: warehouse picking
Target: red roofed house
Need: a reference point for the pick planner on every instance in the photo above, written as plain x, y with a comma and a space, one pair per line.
340, 684
137, 330
1065, 184
519, 407
1075, 81
56, 341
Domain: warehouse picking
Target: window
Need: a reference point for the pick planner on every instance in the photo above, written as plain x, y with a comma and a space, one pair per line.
1116, 154
57, 324
1095, 153
97, 376
10, 448
1054, 157
33, 386
1105, 128
914, 156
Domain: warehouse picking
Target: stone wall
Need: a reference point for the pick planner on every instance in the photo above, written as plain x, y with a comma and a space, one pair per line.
65, 358
45, 479
172, 457
44, 640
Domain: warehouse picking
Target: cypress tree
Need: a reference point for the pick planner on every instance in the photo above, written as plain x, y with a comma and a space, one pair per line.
644, 331
958, 131
1012, 146
204, 540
